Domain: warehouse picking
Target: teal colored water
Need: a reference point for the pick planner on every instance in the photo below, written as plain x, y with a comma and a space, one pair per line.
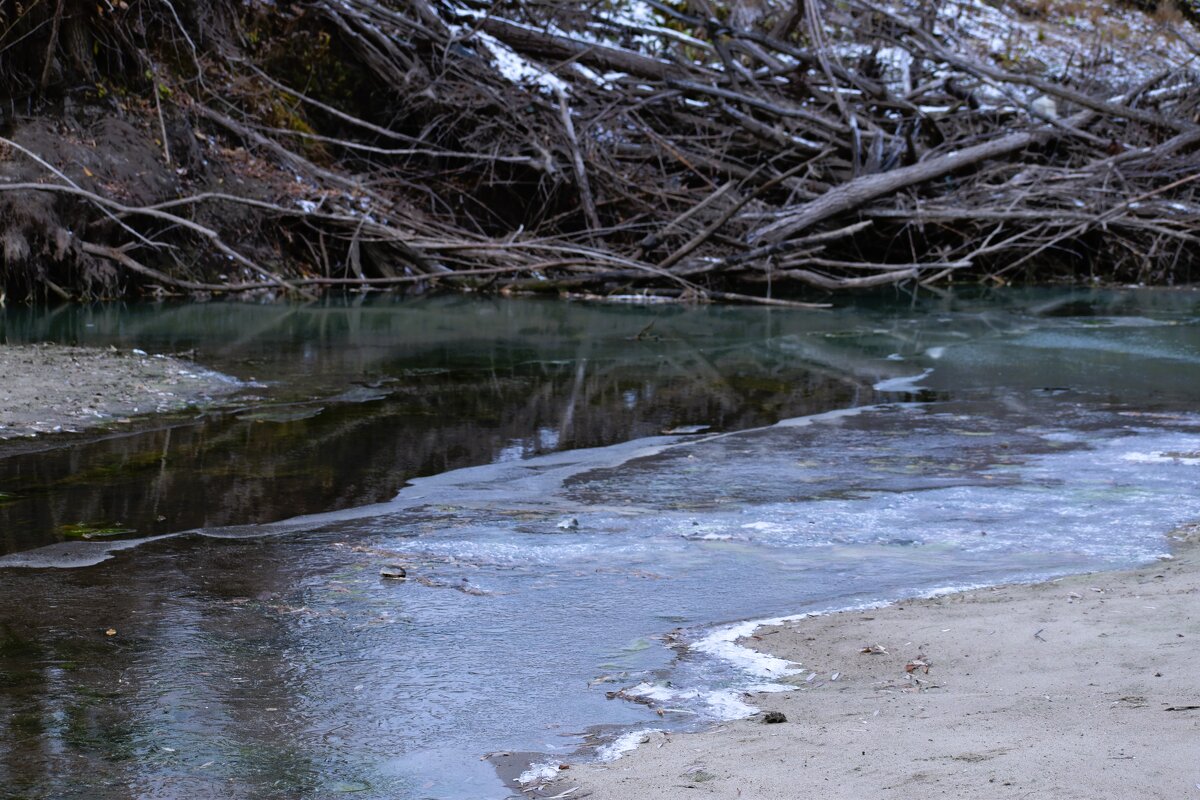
563, 539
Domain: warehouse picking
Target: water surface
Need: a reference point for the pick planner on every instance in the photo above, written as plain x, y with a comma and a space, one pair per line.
512, 456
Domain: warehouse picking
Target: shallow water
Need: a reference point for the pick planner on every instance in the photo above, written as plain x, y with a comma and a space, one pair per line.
1047, 433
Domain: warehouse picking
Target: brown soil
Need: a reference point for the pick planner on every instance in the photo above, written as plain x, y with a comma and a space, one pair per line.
54, 389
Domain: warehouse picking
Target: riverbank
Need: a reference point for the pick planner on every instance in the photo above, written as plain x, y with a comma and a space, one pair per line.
1082, 687
736, 150
57, 389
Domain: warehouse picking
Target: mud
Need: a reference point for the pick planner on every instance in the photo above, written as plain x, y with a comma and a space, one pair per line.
56, 389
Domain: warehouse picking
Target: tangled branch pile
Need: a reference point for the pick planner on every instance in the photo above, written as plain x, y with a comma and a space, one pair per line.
693, 150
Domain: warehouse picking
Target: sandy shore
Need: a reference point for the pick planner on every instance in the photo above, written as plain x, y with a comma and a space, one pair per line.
1084, 687
54, 389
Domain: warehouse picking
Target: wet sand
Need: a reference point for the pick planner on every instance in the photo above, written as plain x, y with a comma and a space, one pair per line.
1083, 687
48, 388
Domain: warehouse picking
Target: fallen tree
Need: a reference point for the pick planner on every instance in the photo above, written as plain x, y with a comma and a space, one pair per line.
691, 151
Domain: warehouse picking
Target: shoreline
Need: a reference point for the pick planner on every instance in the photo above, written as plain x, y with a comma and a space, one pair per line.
51, 389
1078, 687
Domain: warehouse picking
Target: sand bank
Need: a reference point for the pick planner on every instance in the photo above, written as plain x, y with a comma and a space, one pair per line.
55, 389
1084, 687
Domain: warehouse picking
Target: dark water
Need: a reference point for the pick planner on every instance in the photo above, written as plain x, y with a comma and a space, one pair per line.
364, 397
1049, 432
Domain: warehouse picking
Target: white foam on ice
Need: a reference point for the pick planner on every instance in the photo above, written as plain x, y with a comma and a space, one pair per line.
625, 743
722, 704
722, 643
540, 772
1188, 459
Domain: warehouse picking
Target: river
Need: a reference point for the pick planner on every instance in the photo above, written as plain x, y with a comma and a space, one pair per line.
586, 498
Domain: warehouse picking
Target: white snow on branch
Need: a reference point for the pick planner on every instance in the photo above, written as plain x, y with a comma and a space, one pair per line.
518, 69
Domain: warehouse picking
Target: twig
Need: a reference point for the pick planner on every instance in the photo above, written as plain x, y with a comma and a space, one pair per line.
585, 188
162, 123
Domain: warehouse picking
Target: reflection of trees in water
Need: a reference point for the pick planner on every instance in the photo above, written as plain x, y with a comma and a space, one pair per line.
233, 470
200, 622
304, 344
24, 701
194, 691
209, 623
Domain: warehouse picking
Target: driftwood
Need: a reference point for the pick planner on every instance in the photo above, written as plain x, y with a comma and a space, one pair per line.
860, 191
723, 151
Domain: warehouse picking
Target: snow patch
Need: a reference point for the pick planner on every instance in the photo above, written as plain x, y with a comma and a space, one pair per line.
517, 69
896, 63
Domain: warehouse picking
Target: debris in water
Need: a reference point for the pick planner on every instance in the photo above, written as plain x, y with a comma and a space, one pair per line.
917, 663
686, 429
393, 571
88, 531
568, 524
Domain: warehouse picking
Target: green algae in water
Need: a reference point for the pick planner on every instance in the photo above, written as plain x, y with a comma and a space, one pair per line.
84, 530
115, 468
13, 644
